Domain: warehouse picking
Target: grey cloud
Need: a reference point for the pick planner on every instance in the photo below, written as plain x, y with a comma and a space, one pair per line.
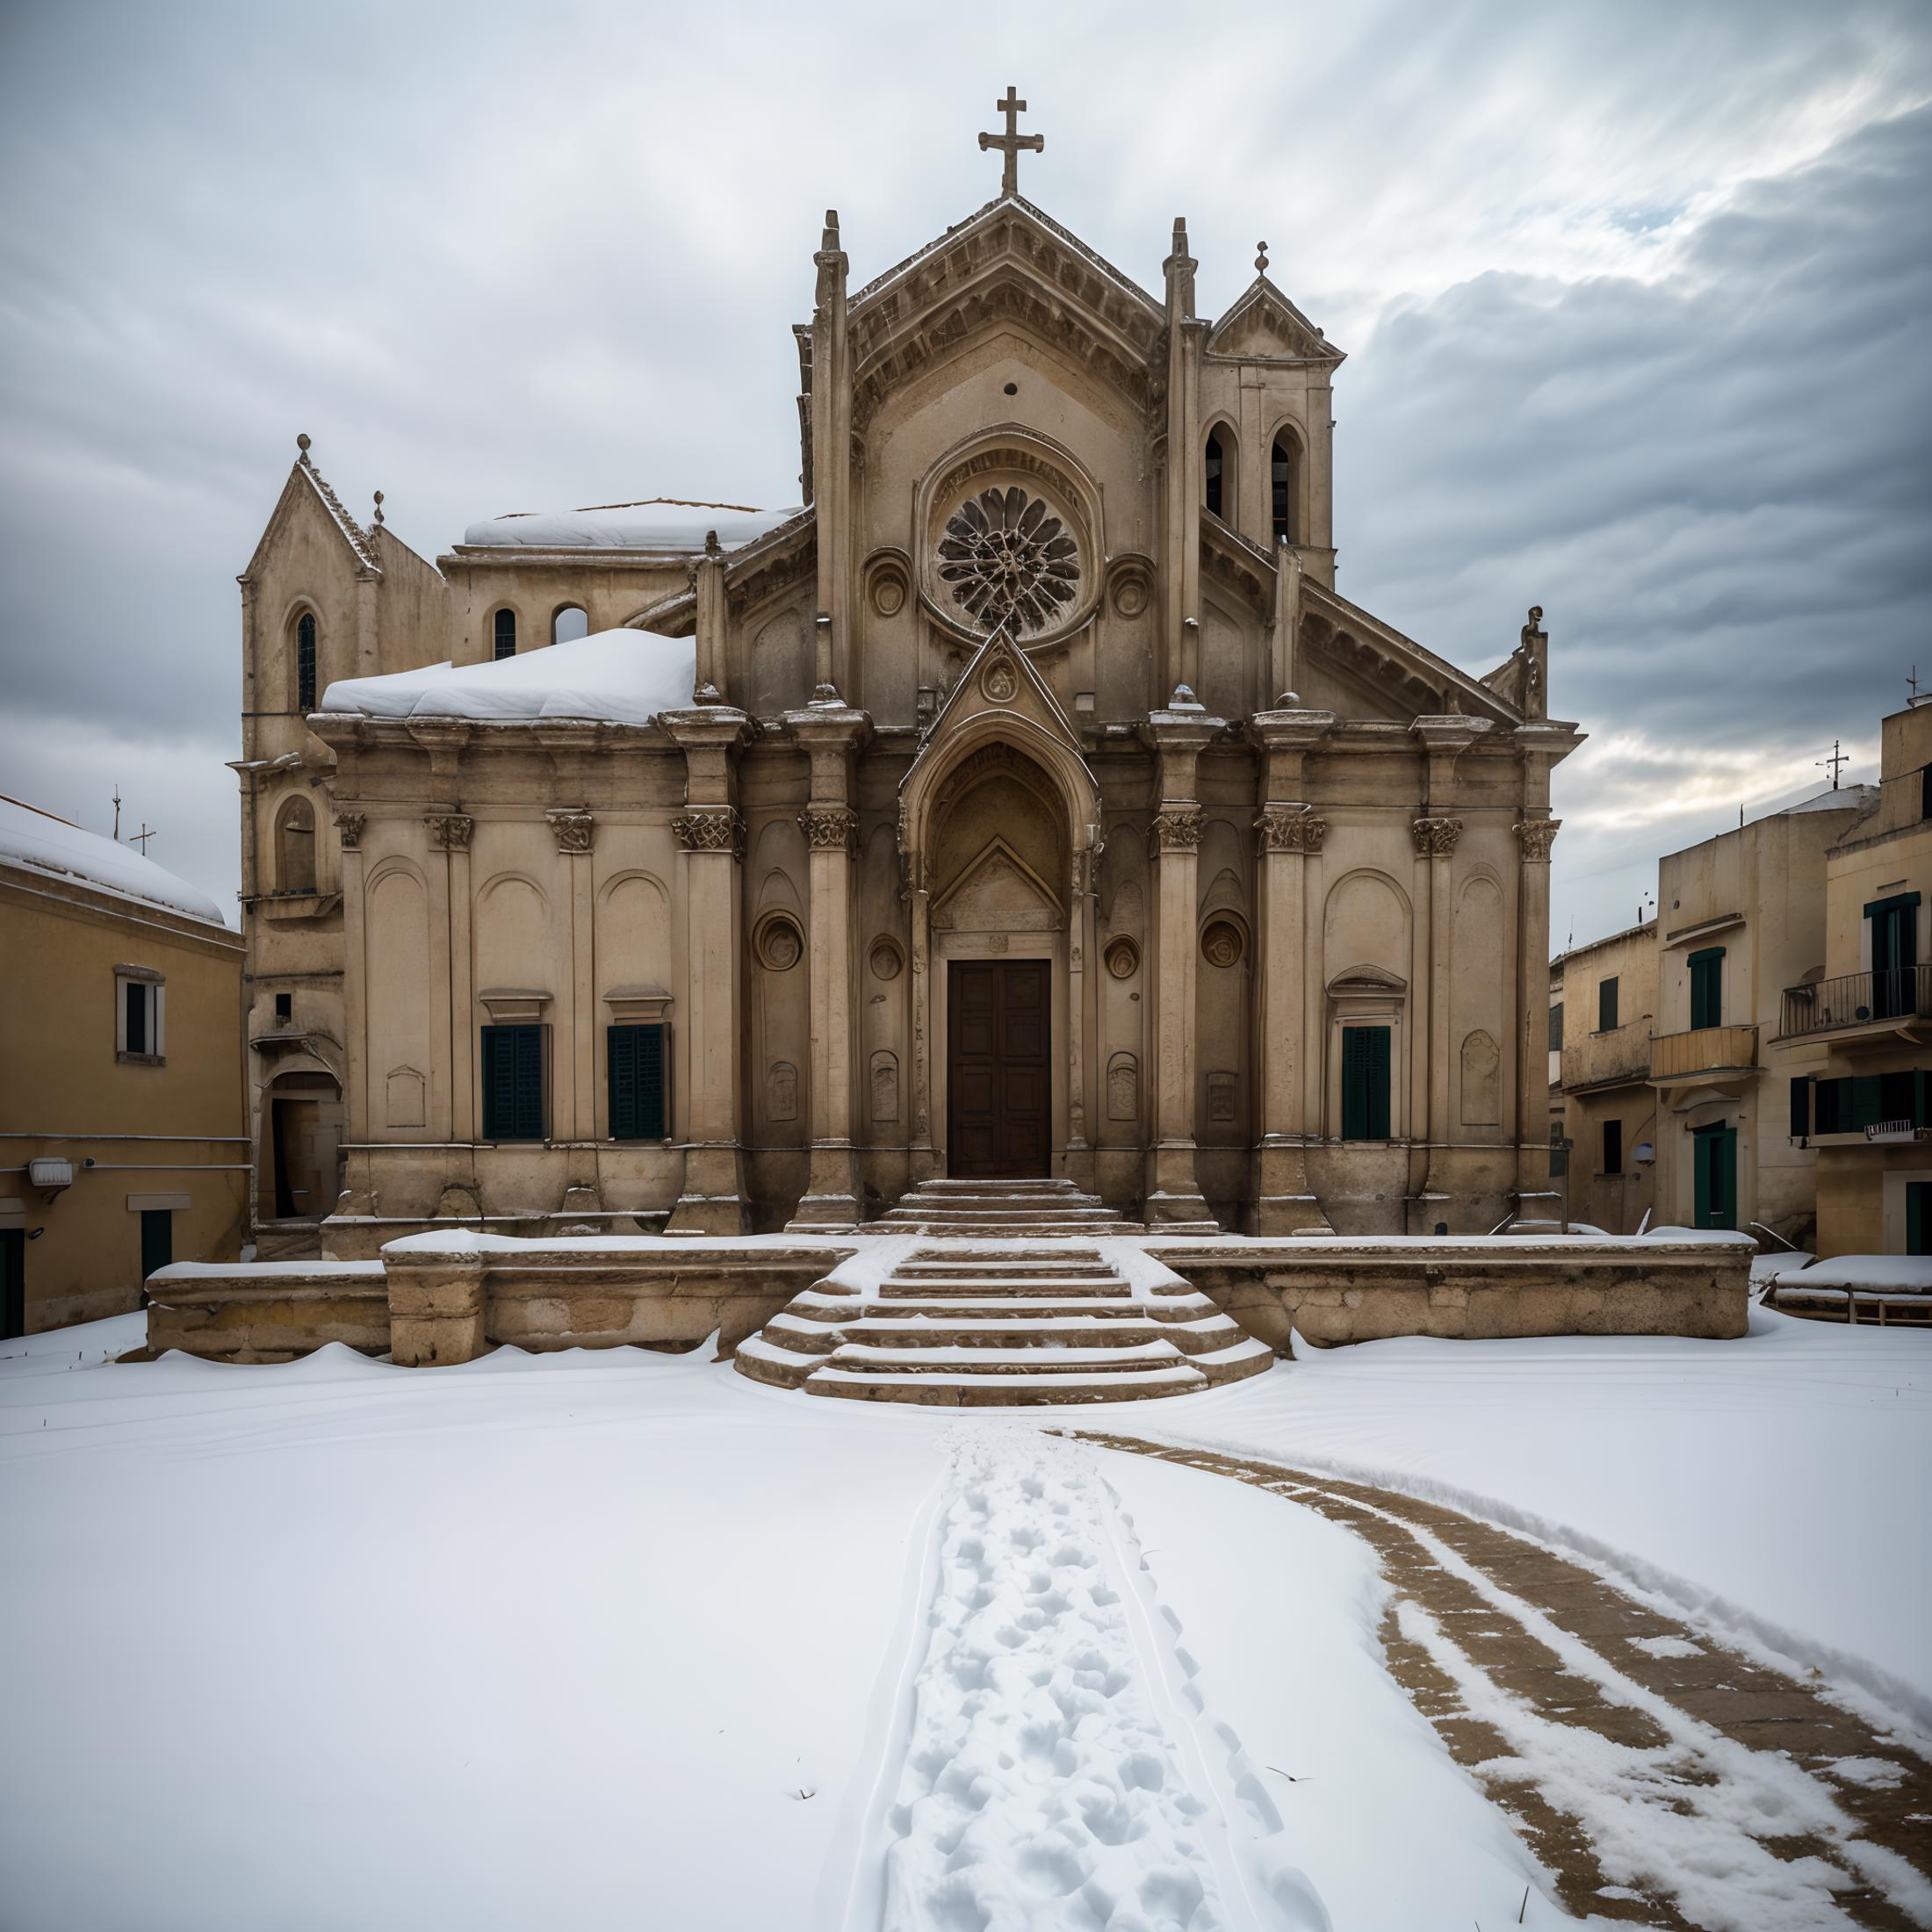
494, 259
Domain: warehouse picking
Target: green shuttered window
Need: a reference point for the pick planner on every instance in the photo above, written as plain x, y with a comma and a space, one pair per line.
1365, 1083
635, 1065
1707, 988
513, 1083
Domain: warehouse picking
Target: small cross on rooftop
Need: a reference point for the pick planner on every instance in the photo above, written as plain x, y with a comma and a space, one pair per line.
1011, 141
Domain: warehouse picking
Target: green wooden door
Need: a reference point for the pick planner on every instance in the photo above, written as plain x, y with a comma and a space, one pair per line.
1894, 955
13, 1283
1918, 1217
1714, 1177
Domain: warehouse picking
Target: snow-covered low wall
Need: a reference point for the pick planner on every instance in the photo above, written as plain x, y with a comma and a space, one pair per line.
265, 1311
1337, 1290
447, 1297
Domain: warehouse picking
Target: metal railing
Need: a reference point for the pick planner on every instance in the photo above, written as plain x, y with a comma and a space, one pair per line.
1857, 999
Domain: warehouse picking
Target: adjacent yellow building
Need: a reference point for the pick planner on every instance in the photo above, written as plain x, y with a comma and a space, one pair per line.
121, 1109
1603, 1000
1865, 1020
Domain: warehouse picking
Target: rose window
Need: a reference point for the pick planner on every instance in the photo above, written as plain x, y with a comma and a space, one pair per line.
1008, 561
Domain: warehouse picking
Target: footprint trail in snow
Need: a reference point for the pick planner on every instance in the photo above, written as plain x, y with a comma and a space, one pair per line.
1060, 1771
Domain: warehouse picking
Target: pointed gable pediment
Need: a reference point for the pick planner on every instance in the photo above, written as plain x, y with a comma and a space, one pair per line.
307, 494
1000, 679
1265, 326
999, 892
1008, 263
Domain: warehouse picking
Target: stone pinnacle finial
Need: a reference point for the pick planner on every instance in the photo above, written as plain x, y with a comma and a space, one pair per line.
1180, 234
1013, 143
829, 240
712, 547
379, 505
301, 444
1261, 258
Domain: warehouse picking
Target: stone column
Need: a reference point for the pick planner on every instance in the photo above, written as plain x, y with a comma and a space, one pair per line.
924, 1164
712, 833
1435, 847
1290, 833
450, 834
1083, 1009
831, 732
349, 827
575, 830
1172, 1191
1534, 1191
831, 458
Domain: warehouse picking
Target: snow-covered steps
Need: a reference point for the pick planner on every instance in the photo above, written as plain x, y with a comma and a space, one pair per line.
999, 1209
954, 1323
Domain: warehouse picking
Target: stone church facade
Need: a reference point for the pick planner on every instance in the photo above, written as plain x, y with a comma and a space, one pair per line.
1038, 805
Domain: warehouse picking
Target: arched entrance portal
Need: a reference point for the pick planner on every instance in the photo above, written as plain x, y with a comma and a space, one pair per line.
998, 833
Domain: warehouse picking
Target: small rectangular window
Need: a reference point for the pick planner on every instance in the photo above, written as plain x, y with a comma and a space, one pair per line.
513, 1083
504, 641
1365, 1083
1606, 1005
284, 1008
1556, 1025
1925, 791
1707, 988
1830, 1106
1801, 1102
635, 1068
138, 1016
1613, 1147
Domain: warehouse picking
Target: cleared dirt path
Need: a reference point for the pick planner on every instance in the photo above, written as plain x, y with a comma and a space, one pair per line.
1657, 1776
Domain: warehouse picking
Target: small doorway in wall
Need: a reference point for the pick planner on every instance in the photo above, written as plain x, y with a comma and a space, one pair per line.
157, 1243
1713, 1156
299, 1179
13, 1283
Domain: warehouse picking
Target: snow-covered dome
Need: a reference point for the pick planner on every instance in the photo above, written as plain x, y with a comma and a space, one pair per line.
40, 842
657, 522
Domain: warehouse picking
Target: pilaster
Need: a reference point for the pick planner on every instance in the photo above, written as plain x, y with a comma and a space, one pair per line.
1436, 832
1290, 835
831, 733
832, 460
1178, 735
712, 834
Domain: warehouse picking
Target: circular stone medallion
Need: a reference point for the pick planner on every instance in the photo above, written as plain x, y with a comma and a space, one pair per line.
1222, 944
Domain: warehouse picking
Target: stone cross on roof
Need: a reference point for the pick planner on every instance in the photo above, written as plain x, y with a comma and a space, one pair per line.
1011, 141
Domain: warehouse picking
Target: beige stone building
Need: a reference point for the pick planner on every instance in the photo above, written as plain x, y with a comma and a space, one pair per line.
1741, 918
1029, 800
1608, 1001
120, 1106
1860, 1025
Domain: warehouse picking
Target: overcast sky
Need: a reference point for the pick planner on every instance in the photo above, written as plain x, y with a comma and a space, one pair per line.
1636, 299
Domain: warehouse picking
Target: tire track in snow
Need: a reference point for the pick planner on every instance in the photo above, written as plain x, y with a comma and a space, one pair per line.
1061, 1772
1658, 1777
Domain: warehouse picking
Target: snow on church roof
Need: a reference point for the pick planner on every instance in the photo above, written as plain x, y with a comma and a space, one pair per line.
657, 522
625, 676
40, 842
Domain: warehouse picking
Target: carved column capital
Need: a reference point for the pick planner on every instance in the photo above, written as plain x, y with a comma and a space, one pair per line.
576, 829
450, 832
830, 828
1436, 838
1535, 837
710, 828
1177, 828
1290, 828
349, 827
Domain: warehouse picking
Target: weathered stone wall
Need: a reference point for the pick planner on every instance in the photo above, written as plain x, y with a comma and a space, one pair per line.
1331, 1292
268, 1311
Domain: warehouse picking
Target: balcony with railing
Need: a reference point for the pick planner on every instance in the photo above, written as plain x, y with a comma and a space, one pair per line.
1878, 1002
1713, 1053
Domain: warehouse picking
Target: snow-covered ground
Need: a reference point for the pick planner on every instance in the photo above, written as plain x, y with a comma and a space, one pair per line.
614, 1639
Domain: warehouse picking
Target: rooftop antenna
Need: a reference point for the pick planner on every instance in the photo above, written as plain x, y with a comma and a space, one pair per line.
141, 838
1836, 762
116, 814
1918, 696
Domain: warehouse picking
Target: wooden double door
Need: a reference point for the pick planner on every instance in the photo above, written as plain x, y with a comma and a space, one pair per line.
998, 1068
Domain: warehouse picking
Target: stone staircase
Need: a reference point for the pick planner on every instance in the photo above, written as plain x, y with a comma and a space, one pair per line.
1000, 1210
959, 1323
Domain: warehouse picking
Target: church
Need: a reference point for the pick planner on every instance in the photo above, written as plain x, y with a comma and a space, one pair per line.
1027, 802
